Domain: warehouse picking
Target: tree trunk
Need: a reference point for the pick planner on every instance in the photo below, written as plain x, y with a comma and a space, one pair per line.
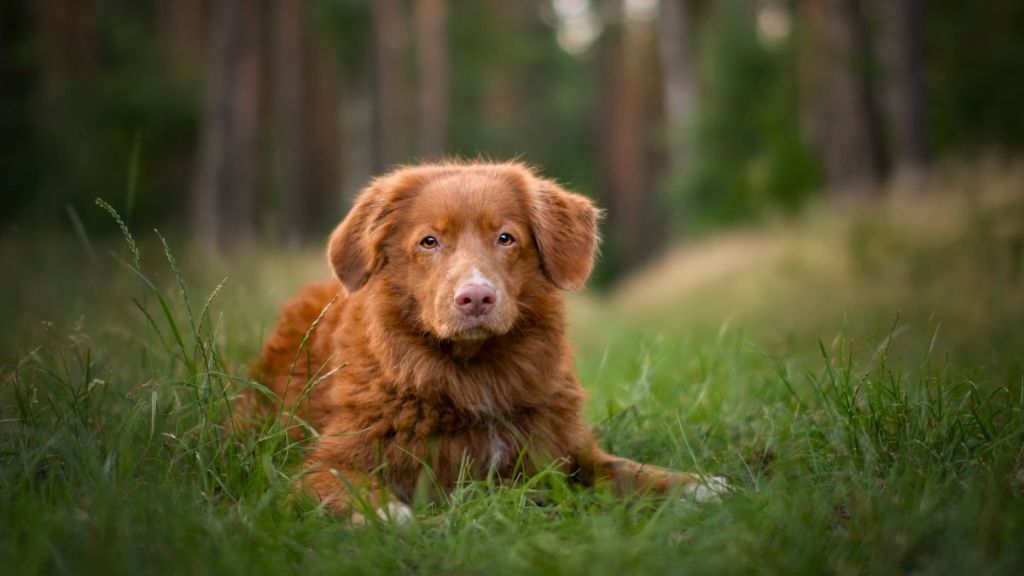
625, 160
307, 112
906, 86
839, 107
67, 32
358, 127
432, 53
679, 83
859, 59
180, 24
323, 119
293, 167
390, 83
224, 193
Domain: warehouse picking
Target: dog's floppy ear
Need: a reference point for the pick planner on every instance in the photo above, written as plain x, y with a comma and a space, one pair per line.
354, 247
565, 228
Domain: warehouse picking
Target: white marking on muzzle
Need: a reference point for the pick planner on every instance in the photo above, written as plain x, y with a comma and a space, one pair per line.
475, 277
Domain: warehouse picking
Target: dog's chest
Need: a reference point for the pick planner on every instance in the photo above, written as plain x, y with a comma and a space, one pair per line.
484, 447
451, 441
496, 449
482, 444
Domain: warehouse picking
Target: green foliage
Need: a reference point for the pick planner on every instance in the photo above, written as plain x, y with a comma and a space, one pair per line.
19, 164
972, 75
128, 105
516, 94
749, 156
348, 26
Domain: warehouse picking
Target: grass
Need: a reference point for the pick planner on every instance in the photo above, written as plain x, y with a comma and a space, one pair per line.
858, 375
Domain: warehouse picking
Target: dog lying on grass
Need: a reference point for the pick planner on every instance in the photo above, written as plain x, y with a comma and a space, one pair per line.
443, 346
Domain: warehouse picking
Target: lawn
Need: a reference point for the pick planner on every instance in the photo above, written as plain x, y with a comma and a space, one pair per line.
858, 374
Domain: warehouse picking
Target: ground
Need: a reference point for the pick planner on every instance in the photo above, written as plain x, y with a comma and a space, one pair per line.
857, 372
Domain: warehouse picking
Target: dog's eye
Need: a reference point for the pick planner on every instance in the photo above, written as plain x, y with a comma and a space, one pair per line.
506, 239
429, 242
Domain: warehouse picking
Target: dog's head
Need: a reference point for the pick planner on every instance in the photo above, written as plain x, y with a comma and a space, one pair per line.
462, 245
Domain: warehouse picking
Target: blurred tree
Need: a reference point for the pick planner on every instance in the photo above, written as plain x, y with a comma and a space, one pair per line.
519, 94
859, 56
345, 30
905, 80
67, 29
390, 83
679, 81
323, 120
19, 158
182, 27
67, 61
973, 76
432, 74
307, 121
840, 107
749, 156
228, 176
629, 112
289, 99
293, 156
271, 137
98, 91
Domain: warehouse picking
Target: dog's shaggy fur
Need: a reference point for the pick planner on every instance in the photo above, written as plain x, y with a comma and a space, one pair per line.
397, 377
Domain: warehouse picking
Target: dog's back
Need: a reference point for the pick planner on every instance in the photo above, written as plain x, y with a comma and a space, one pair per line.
294, 359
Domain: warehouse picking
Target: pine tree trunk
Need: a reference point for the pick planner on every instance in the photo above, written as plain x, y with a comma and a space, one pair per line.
907, 98
181, 25
860, 56
324, 131
432, 56
390, 83
625, 156
679, 81
290, 70
225, 189
839, 106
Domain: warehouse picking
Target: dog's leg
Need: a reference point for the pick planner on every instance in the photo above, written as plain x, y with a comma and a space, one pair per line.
628, 477
339, 489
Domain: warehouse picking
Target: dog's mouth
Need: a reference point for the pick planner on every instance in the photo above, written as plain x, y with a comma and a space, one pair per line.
472, 335
472, 329
476, 329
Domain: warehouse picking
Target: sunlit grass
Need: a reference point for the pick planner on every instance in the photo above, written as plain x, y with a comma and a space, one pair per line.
858, 378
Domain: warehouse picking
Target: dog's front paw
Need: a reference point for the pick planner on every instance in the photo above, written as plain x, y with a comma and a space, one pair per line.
708, 489
395, 512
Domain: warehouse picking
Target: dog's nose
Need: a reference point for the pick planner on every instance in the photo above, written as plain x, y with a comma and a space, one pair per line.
475, 299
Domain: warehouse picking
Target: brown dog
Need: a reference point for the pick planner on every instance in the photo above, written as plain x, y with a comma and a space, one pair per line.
443, 348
